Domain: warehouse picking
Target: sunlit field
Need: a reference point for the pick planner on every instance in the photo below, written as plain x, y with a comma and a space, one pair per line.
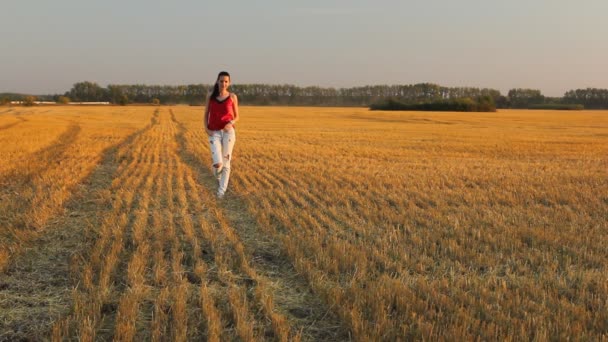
339, 224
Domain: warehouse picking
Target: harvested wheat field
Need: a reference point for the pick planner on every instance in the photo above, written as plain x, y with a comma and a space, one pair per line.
339, 224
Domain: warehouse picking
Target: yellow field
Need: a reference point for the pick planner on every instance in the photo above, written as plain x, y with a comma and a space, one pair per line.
339, 224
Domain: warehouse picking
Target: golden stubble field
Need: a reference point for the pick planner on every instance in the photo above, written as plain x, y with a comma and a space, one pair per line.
339, 224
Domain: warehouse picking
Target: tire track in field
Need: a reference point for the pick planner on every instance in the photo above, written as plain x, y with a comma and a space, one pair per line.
292, 296
22, 190
29, 166
7, 126
37, 288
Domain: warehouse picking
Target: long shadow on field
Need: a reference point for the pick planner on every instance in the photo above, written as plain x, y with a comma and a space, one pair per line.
293, 298
37, 287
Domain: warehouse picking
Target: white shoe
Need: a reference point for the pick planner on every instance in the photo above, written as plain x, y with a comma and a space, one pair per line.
220, 196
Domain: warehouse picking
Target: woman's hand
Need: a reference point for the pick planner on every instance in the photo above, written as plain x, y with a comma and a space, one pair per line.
229, 126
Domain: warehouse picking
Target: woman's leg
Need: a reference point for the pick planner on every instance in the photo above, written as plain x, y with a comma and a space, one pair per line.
215, 143
228, 140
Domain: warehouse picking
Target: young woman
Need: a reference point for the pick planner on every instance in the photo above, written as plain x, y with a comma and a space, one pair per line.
221, 113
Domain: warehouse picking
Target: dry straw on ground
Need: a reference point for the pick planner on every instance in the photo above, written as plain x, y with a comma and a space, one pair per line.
341, 224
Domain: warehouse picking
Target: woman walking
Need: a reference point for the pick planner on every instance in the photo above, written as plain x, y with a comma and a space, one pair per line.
221, 114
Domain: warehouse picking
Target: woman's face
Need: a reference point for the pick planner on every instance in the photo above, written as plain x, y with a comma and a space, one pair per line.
223, 82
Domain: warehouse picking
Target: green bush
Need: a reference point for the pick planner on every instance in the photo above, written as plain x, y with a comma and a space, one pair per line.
63, 100
558, 106
29, 100
481, 104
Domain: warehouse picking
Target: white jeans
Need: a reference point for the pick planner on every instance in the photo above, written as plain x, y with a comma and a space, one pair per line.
222, 143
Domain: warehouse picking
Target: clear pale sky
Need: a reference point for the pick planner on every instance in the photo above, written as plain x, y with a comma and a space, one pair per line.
551, 45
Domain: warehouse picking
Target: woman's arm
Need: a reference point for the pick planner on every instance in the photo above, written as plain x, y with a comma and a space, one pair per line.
206, 117
235, 112
235, 108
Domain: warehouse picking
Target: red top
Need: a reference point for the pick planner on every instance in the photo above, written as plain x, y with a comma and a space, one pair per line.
220, 113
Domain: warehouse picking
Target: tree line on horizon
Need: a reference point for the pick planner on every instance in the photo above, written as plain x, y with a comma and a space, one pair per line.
290, 95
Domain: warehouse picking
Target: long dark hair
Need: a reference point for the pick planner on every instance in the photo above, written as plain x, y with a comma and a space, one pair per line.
216, 88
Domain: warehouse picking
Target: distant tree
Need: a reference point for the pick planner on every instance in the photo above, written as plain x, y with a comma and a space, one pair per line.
591, 98
5, 101
29, 100
115, 93
155, 101
486, 103
87, 91
123, 100
502, 102
522, 98
196, 94
63, 100
288, 94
